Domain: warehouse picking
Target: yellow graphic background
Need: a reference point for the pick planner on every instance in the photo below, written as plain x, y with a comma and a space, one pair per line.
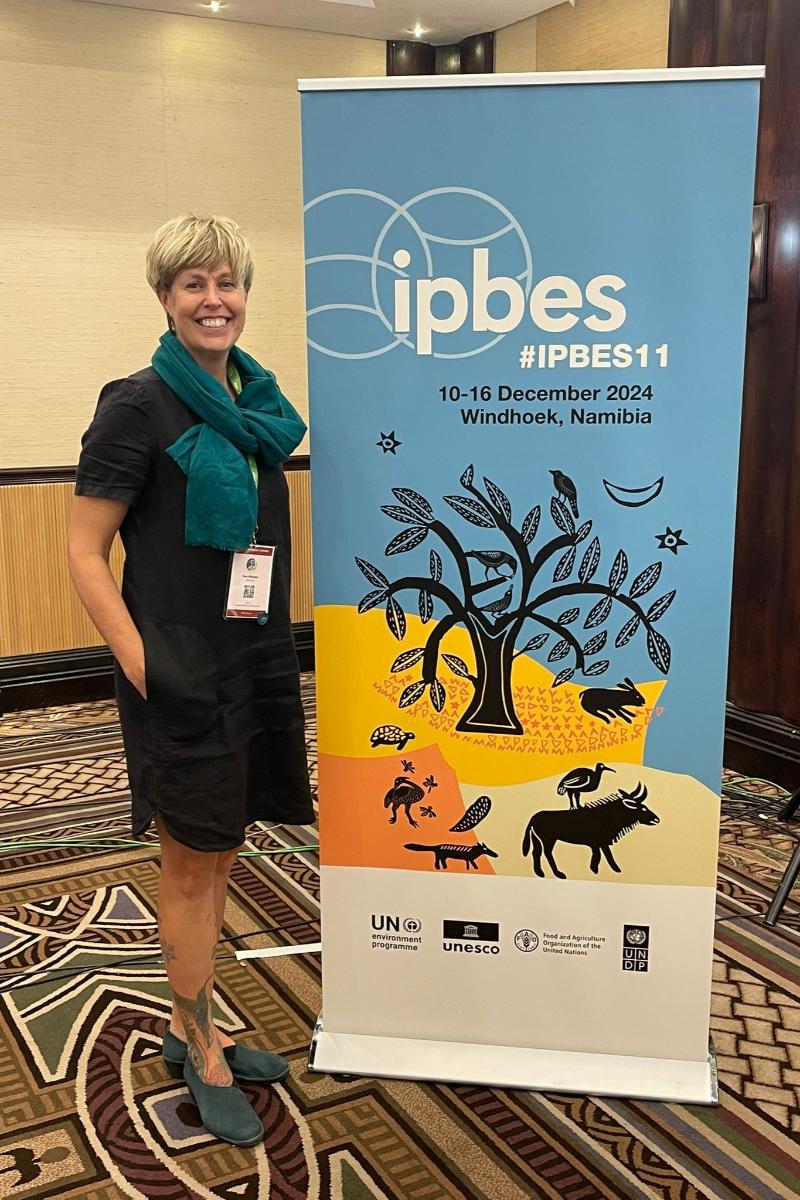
357, 693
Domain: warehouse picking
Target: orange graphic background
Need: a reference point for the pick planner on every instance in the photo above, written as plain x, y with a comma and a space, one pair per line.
354, 825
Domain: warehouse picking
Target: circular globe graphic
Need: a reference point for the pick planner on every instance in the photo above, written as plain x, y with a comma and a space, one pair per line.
360, 243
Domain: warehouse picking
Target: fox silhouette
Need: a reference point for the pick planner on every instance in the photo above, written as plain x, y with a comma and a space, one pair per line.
465, 854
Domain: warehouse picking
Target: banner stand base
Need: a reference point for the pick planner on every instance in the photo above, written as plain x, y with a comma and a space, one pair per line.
671, 1080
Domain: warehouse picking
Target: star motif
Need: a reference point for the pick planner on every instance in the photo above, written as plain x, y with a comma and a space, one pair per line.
671, 540
388, 443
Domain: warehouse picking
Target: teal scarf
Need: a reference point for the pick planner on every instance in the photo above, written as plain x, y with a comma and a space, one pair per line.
221, 494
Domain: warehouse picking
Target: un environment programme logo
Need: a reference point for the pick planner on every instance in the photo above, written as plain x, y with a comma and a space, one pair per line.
372, 256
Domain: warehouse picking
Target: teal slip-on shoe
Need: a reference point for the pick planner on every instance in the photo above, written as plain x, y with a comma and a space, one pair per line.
248, 1066
225, 1111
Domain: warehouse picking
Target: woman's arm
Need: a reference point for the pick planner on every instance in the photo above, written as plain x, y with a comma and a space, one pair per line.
93, 526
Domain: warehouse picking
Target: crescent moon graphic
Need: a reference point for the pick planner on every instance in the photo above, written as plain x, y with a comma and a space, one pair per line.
634, 497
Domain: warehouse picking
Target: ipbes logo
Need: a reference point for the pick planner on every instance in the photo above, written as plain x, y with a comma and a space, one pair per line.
555, 305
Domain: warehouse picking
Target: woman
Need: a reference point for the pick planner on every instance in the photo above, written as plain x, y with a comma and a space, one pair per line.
183, 458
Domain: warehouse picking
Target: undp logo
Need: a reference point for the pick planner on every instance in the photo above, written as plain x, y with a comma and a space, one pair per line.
361, 245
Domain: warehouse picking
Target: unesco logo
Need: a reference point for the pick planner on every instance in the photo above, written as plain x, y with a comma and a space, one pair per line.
526, 940
635, 947
471, 937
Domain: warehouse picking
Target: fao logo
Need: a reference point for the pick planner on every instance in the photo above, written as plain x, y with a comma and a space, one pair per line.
412, 925
526, 940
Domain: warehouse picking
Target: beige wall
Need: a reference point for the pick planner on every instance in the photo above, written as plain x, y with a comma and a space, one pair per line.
515, 47
598, 35
115, 119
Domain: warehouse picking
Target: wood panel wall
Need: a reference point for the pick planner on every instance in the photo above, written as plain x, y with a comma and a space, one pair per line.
39, 611
765, 645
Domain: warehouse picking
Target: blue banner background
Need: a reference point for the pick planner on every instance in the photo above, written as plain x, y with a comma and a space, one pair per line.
651, 182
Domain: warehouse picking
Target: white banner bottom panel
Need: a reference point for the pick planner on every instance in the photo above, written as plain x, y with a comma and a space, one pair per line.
670, 1080
540, 964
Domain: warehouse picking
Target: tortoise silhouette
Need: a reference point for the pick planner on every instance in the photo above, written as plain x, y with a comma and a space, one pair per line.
390, 735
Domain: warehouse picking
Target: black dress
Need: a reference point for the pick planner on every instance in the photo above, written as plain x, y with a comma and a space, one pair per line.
220, 740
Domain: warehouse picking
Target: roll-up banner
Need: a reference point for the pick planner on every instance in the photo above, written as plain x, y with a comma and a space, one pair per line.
526, 302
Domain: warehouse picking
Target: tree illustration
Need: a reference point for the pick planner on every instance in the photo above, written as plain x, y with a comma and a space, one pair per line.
496, 627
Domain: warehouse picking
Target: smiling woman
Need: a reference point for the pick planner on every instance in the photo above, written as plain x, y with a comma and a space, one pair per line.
184, 458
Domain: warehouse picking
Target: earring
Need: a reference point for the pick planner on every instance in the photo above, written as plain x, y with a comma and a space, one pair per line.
170, 323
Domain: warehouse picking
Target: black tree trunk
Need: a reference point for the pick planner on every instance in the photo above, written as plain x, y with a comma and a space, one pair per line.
491, 709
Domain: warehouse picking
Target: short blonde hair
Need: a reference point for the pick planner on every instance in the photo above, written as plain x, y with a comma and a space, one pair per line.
190, 241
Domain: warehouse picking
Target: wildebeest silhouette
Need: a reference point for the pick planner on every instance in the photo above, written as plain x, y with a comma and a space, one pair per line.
597, 825
607, 703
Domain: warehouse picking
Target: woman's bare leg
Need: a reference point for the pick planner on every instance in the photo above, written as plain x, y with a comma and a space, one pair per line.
222, 872
188, 930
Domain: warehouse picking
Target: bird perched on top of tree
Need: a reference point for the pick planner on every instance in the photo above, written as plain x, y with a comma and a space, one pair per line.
493, 560
582, 779
566, 489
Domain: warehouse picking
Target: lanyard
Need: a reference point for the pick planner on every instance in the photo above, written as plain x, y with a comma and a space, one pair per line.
235, 381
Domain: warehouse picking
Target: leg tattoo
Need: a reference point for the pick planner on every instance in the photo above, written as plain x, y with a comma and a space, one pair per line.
204, 1047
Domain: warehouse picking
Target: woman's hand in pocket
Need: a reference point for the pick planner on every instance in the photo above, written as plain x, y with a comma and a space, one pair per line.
134, 669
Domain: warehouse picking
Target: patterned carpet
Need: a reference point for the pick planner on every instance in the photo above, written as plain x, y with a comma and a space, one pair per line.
89, 1113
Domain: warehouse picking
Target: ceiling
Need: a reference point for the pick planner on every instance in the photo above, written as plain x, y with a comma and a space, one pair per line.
443, 21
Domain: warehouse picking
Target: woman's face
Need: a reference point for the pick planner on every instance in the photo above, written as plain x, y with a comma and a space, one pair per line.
207, 308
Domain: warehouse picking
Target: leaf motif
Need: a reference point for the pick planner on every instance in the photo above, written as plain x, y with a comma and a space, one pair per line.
400, 514
597, 668
436, 566
595, 644
425, 607
583, 532
468, 476
412, 694
457, 665
590, 561
414, 501
407, 540
626, 633
371, 600
375, 576
560, 650
619, 571
659, 651
396, 619
564, 565
645, 580
561, 516
530, 525
660, 606
536, 642
498, 497
471, 511
473, 816
569, 616
438, 695
563, 676
599, 613
409, 658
